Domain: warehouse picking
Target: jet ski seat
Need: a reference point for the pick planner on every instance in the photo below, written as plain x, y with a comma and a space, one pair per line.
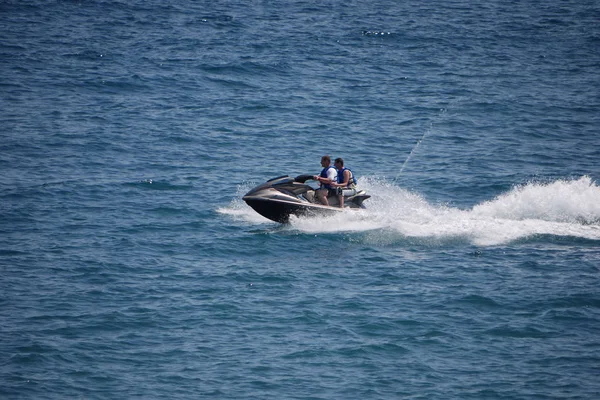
310, 196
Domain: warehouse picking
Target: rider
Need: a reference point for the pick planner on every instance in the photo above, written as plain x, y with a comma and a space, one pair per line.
327, 177
345, 182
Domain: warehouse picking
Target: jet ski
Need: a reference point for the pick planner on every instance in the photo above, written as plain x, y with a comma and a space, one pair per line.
280, 197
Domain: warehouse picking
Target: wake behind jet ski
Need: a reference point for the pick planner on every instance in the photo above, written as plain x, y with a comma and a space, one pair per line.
280, 197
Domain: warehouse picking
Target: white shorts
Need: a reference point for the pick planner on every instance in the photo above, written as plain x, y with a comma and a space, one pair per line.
347, 192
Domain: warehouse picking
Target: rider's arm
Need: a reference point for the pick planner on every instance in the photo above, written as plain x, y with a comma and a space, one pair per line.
346, 180
331, 177
326, 181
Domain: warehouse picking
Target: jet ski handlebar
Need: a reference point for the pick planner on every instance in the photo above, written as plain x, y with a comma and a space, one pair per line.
303, 178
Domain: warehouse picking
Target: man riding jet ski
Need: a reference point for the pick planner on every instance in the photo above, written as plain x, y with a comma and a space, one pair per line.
342, 181
280, 197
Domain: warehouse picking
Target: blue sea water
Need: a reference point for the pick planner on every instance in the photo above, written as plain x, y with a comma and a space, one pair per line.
131, 268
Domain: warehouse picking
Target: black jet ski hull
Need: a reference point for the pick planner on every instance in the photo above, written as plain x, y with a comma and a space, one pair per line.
280, 211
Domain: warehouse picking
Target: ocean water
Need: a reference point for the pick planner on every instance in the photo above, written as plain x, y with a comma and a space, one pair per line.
130, 268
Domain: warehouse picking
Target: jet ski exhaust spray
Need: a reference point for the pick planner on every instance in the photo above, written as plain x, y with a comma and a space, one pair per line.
416, 146
412, 152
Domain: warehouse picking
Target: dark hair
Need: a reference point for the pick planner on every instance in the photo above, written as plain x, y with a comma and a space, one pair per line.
326, 158
340, 160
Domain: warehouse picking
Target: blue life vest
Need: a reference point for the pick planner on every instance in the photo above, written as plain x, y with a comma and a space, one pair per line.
340, 177
324, 175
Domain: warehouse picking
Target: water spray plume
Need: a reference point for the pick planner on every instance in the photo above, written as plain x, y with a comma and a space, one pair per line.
416, 146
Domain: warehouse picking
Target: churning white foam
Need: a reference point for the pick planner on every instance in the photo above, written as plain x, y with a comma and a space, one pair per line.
239, 210
559, 208
560, 201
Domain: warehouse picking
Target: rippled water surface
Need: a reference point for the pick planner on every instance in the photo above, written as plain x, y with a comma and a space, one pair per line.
130, 267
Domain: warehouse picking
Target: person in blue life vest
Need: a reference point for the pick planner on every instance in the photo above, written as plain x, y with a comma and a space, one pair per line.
327, 177
345, 182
